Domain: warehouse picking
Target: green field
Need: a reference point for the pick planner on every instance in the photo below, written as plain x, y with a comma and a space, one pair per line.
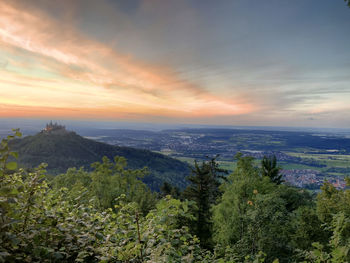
331, 160
228, 165
297, 166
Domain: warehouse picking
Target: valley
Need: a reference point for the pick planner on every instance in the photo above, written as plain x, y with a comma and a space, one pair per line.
307, 158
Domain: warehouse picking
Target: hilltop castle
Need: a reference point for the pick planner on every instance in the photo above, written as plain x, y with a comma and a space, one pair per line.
54, 128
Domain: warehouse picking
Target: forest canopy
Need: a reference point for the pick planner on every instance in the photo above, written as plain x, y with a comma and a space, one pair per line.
107, 214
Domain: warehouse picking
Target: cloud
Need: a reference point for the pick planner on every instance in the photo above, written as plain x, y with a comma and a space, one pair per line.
3, 63
126, 82
160, 60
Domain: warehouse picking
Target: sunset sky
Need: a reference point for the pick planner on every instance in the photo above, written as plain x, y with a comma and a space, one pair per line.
234, 62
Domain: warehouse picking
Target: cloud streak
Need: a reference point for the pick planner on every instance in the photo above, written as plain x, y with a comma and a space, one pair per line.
221, 62
112, 78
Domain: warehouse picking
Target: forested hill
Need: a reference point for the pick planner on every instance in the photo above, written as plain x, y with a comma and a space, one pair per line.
68, 149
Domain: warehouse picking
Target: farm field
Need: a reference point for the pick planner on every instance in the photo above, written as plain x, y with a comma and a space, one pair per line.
305, 157
330, 160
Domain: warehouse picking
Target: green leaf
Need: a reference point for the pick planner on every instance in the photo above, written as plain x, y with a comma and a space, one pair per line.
14, 191
18, 134
14, 154
11, 165
99, 235
4, 149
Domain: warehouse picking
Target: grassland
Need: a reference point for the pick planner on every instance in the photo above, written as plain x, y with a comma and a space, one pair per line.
331, 160
297, 166
227, 165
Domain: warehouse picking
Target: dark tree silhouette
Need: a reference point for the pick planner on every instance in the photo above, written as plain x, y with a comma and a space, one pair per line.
269, 168
168, 189
204, 190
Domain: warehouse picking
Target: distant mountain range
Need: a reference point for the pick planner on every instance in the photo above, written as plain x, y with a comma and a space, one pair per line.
62, 149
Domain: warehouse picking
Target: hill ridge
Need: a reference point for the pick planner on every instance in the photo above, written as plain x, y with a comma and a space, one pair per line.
65, 150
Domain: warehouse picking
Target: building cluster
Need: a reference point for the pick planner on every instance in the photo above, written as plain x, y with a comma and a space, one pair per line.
54, 128
310, 177
198, 145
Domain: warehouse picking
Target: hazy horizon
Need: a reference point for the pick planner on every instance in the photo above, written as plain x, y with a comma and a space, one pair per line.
176, 62
32, 126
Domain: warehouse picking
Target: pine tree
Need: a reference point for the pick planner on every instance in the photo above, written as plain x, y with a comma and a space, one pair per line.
204, 190
270, 169
168, 189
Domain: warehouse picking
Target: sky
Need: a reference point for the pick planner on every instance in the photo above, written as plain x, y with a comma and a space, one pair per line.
234, 62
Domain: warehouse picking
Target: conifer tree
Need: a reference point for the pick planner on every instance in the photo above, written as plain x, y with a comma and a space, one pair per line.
270, 169
204, 190
168, 189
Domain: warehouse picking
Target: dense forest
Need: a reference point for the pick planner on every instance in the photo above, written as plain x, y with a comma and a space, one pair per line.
66, 149
107, 214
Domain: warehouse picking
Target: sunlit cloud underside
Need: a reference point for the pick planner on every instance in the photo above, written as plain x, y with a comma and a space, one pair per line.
51, 68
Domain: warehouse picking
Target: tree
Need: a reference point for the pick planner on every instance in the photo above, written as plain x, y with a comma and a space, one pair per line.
331, 201
107, 181
333, 210
204, 190
307, 229
254, 214
40, 223
168, 189
270, 169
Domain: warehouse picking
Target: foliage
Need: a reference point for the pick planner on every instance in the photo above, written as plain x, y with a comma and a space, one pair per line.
338, 248
6, 153
270, 169
254, 214
107, 214
204, 191
308, 229
39, 223
66, 150
107, 181
331, 201
333, 210
168, 189
48, 225
56, 228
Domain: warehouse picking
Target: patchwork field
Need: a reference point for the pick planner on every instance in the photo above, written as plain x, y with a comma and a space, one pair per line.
306, 158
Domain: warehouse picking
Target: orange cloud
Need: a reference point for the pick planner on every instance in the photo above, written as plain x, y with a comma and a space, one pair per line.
93, 78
